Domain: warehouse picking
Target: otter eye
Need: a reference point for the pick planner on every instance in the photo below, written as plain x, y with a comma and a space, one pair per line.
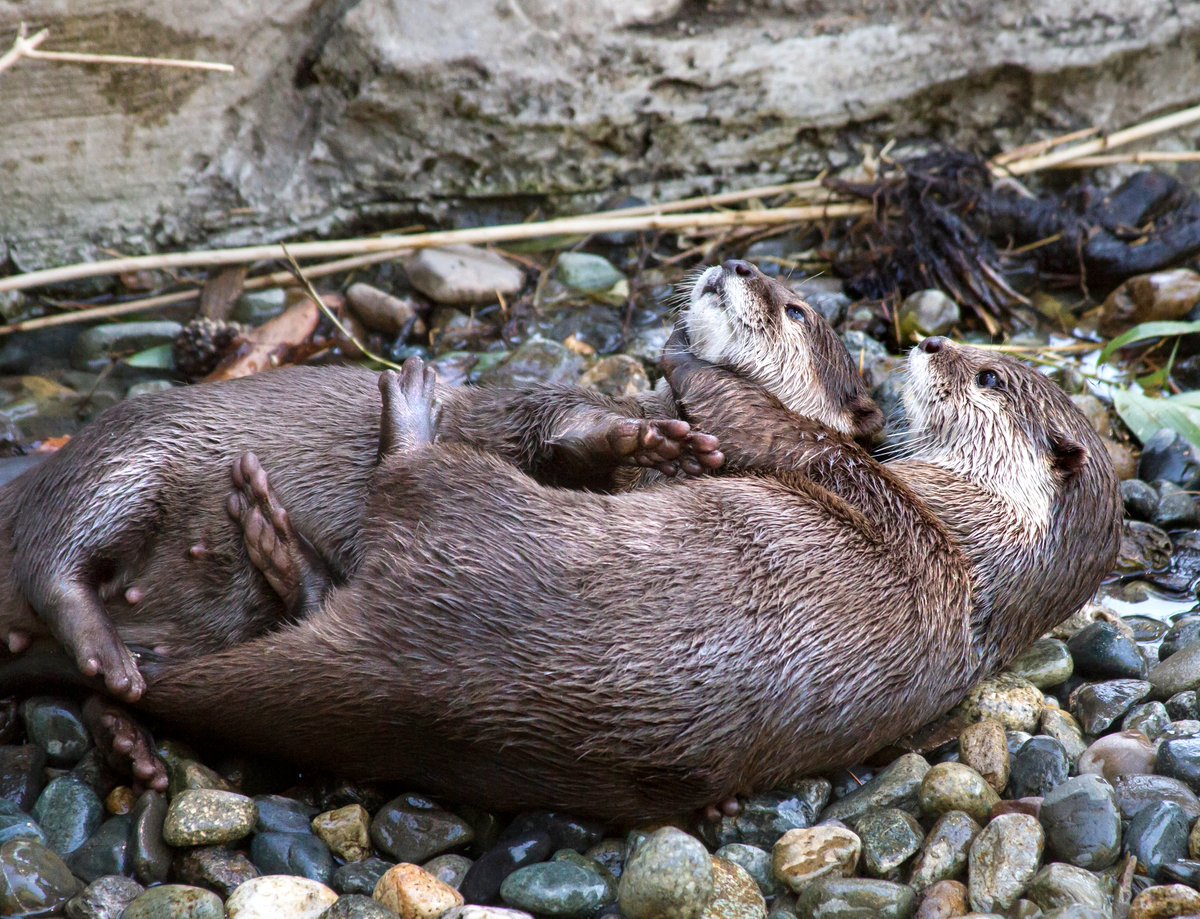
987, 379
794, 312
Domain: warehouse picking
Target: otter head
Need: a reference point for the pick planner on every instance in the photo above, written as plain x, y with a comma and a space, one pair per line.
1008, 429
741, 319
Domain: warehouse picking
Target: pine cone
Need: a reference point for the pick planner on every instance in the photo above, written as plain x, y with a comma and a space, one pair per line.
201, 345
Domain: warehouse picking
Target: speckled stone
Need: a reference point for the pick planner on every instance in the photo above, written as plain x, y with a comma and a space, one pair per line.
898, 785
1065, 885
1004, 860
670, 876
1015, 702
414, 829
849, 898
955, 787
1063, 727
1165, 902
68, 811
557, 888
215, 868
1151, 718
414, 893
175, 901
206, 816
1046, 663
276, 896
944, 900
984, 747
1083, 824
803, 856
357, 906
757, 863
735, 894
947, 846
890, 837
489, 912
104, 898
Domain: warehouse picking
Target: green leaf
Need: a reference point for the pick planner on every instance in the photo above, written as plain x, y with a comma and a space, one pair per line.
1145, 415
156, 358
1146, 331
1190, 398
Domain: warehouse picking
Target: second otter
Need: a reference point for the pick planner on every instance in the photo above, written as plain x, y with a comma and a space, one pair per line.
692, 642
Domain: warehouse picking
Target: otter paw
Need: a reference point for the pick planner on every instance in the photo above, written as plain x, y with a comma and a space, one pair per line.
730, 807
125, 745
271, 542
410, 408
107, 656
703, 454
655, 444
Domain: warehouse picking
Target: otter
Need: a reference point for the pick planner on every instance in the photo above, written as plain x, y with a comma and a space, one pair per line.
639, 656
121, 537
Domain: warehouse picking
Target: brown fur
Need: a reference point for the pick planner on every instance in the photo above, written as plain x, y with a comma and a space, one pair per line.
638, 656
125, 527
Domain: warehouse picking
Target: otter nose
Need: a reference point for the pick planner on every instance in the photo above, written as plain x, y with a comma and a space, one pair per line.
739, 267
933, 344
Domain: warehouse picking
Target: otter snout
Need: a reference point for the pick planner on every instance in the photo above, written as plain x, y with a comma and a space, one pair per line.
739, 267
933, 344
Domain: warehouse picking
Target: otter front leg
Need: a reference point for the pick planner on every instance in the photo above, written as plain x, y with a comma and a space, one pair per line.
595, 442
293, 568
410, 408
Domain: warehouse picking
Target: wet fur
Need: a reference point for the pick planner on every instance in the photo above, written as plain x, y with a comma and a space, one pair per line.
639, 656
125, 504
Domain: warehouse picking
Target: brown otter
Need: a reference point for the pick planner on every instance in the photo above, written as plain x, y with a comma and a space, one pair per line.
120, 537
637, 656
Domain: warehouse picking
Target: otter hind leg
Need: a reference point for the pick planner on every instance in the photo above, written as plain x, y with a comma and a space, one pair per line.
293, 568
125, 745
410, 409
76, 616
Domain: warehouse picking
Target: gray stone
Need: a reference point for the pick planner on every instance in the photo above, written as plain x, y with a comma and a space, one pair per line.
175, 901
1046, 663
56, 726
558, 888
16, 824
1141, 501
1179, 672
587, 273
21, 777
106, 852
755, 861
359, 877
1059, 885
1103, 651
1136, 791
1063, 727
928, 312
298, 854
898, 785
764, 818
1082, 822
68, 811
1040, 765
104, 898
1004, 859
449, 869
1099, 705
463, 275
148, 850
96, 348
411, 828
670, 876
279, 814
855, 898
1156, 836
1151, 718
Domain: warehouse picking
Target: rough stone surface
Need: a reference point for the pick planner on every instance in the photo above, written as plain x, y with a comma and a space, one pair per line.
670, 876
1004, 859
803, 856
415, 893
271, 897
540, 97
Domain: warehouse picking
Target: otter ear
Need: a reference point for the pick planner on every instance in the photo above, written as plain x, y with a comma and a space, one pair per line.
1068, 456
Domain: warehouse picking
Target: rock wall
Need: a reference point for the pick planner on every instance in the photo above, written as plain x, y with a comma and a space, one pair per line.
347, 115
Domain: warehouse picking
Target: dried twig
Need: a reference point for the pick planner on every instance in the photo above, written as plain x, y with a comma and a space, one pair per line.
396, 245
1138, 132
27, 47
1119, 159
